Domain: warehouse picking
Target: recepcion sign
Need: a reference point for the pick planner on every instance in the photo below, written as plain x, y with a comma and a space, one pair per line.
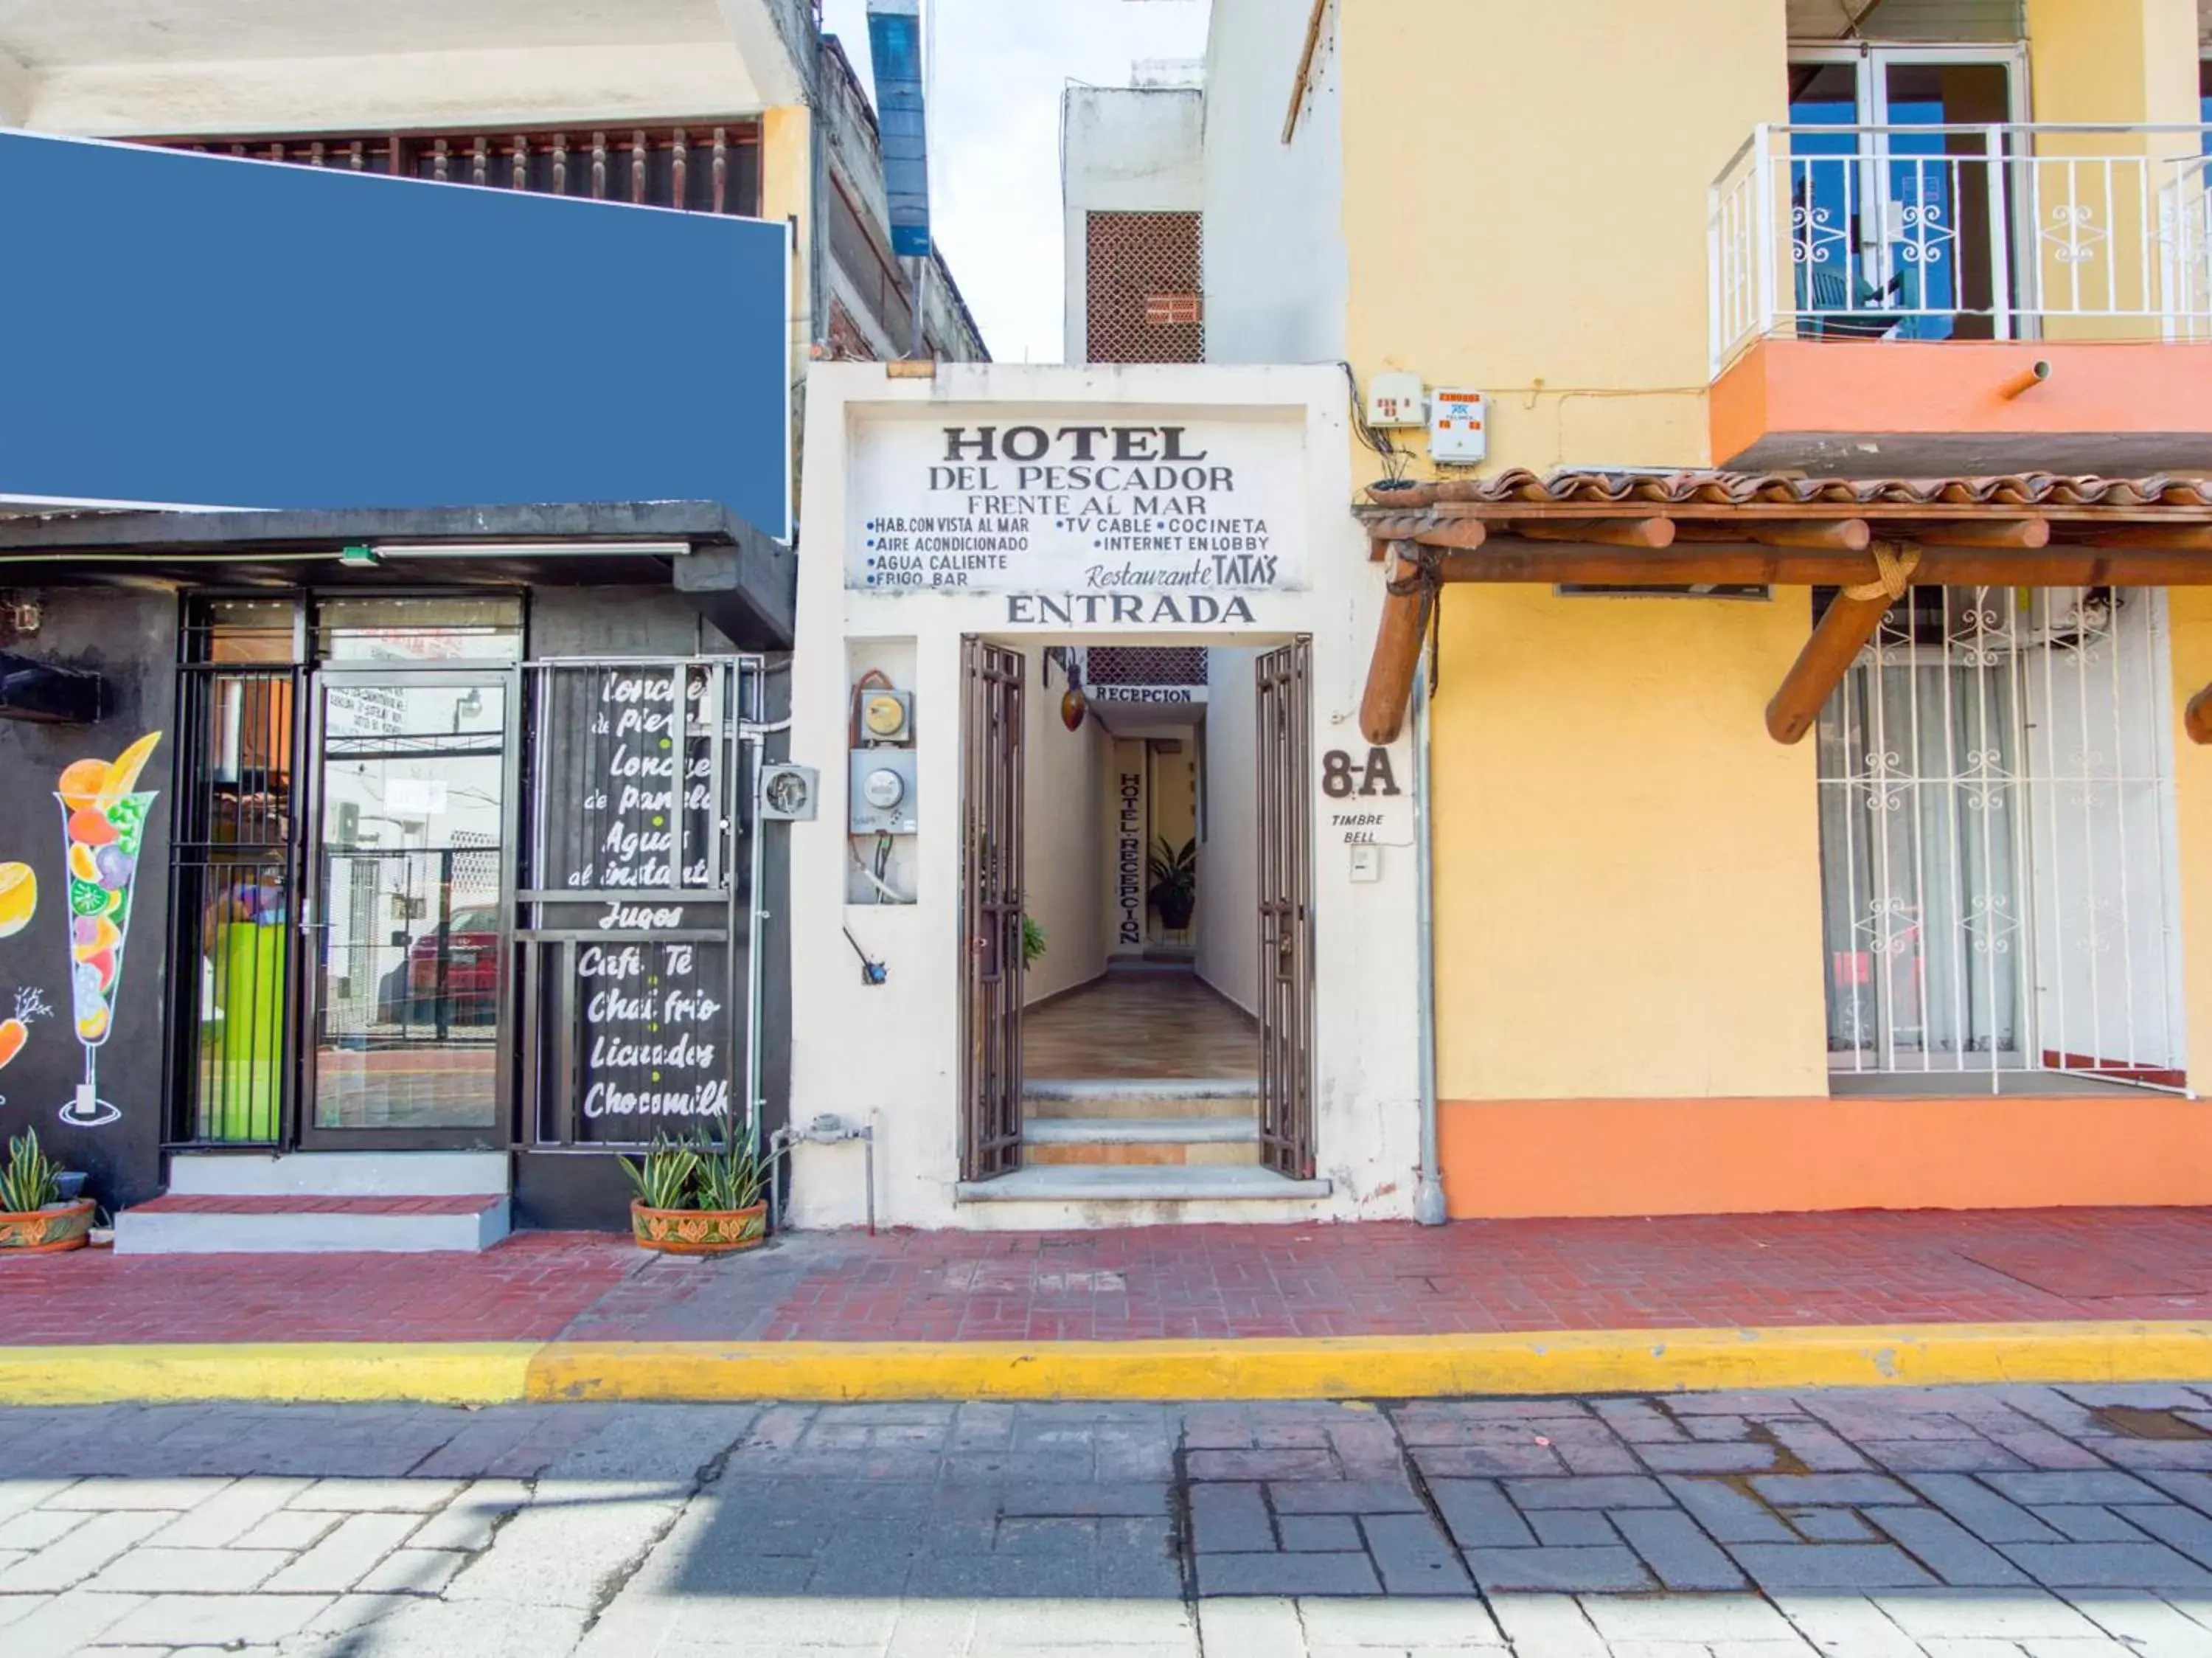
1072, 506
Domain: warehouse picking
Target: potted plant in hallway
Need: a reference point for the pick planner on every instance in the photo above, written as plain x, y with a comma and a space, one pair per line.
1175, 883
695, 1198
34, 1217
1033, 942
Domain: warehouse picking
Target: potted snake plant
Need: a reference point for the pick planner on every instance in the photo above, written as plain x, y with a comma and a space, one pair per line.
35, 1218
694, 1197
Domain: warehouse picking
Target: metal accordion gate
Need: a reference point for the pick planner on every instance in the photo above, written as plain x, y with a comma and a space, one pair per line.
990, 910
1285, 867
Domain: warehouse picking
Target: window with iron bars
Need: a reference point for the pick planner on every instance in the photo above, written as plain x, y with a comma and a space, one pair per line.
1145, 292
712, 167
1997, 846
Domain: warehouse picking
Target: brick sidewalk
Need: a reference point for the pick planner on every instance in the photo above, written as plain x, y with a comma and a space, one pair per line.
1472, 1277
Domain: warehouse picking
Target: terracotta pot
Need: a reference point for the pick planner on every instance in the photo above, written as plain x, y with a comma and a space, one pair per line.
48, 1231
698, 1231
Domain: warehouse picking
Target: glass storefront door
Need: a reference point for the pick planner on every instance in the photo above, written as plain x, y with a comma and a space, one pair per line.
407, 926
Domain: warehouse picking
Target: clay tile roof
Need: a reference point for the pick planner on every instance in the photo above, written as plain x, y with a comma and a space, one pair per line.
1725, 489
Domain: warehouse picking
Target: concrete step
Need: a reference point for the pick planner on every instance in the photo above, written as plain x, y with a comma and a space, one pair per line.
228, 1225
338, 1174
1208, 1141
1168, 1189
1141, 1096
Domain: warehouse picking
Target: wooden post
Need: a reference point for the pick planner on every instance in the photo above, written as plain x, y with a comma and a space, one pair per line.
1397, 649
1835, 644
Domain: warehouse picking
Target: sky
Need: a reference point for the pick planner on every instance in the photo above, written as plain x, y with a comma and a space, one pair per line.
994, 138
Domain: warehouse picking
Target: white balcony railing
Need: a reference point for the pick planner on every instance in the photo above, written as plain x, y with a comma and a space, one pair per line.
1986, 232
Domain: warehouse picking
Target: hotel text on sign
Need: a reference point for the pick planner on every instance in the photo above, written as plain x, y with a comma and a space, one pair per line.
1077, 505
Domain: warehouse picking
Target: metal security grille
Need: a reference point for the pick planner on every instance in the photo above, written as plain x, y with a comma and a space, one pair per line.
713, 168
991, 912
1997, 851
1286, 868
1145, 665
1145, 285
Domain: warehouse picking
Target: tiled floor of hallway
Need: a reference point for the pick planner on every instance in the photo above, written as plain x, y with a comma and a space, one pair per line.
1150, 1021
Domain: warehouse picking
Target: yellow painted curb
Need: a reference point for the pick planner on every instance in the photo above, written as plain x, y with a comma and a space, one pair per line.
434, 1372
1574, 1361
1405, 1367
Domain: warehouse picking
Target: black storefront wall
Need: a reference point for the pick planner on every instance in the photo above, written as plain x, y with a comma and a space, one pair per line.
130, 639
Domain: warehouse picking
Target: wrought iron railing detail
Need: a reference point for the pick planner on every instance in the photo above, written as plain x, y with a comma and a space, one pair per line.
2001, 231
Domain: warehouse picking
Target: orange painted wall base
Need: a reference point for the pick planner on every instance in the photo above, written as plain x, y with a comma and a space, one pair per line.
1590, 1157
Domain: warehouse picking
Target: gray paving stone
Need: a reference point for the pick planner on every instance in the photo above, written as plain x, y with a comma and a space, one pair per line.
37, 1527
1589, 1491
1780, 1566
1982, 1511
1698, 1458
1426, 1625
1817, 1448
1260, 1465
1098, 1498
105, 1493
1479, 1514
1547, 1626
1413, 1555
1847, 1626
1828, 1525
1230, 1518
1286, 1573
347, 1555
2195, 1489
2102, 1486
1486, 1461
2090, 1524
2107, 1565
1567, 1529
1726, 1512
151, 1570
413, 1571
1344, 1496
2176, 1527
1639, 1422
2014, 1614
468, 1522
69, 1561
214, 1620
1706, 1619
1574, 1571
1325, 1534
376, 1496
1947, 1548
1918, 1456
1680, 1554
2150, 1625
1824, 1490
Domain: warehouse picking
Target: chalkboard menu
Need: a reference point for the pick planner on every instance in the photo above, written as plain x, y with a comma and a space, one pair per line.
631, 776
654, 1026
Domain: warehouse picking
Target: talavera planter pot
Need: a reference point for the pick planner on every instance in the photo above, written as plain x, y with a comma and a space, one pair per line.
47, 1231
698, 1231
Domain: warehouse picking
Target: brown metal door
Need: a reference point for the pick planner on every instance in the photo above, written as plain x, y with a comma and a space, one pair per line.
1286, 741
991, 912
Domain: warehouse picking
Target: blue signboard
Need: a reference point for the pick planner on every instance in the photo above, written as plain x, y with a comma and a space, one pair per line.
195, 330
895, 52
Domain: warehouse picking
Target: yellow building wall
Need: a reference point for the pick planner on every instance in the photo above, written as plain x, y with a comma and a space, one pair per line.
1627, 871
1525, 208
1627, 886
2188, 620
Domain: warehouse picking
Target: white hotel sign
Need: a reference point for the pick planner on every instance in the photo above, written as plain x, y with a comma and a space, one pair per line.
1097, 523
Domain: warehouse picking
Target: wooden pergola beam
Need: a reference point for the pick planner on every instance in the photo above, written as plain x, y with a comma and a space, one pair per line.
1826, 535
2160, 538
1850, 622
1397, 650
2027, 533
1653, 532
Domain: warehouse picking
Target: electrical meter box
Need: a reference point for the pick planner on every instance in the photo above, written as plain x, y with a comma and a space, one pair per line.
1395, 400
885, 716
1459, 427
883, 791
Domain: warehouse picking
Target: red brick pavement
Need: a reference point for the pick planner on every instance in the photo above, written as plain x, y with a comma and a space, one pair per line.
1201, 1282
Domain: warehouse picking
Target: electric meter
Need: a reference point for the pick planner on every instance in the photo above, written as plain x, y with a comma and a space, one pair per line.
883, 791
886, 716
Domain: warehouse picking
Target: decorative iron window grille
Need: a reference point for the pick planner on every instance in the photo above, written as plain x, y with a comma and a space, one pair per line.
1997, 843
1145, 665
710, 168
1146, 279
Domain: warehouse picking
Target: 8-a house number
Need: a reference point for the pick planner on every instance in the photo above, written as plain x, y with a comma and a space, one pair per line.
1342, 777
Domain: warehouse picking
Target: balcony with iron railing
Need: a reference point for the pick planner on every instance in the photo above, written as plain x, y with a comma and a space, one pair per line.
2015, 295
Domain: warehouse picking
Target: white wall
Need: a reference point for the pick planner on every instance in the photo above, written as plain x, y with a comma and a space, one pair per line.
1228, 866
1124, 149
1277, 281
891, 1054
1063, 792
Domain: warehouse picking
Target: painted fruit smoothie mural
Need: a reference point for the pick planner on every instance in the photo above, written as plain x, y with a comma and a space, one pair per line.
103, 826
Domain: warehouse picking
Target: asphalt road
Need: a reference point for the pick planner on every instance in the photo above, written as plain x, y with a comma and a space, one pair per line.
2018, 1522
